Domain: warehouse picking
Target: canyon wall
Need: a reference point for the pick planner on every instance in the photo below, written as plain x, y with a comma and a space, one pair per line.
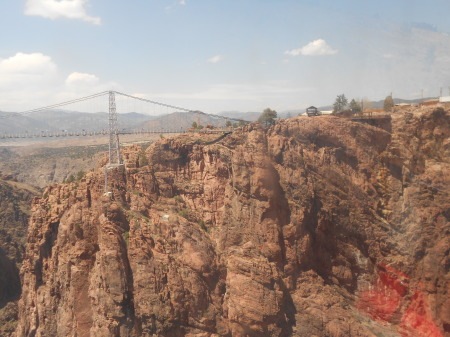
15, 203
315, 227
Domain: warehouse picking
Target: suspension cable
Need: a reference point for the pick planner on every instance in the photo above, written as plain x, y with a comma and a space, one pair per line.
157, 103
58, 105
85, 98
180, 108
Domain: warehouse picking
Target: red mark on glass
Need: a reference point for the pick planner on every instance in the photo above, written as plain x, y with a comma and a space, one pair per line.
417, 321
386, 298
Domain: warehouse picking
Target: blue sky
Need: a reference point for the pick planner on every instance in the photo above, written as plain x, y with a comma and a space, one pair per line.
222, 55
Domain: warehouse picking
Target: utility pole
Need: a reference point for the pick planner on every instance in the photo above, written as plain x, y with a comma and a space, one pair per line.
114, 145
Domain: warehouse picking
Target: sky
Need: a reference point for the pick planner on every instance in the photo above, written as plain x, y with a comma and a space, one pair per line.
223, 55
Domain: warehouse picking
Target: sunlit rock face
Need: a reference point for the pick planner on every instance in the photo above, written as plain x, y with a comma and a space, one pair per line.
317, 226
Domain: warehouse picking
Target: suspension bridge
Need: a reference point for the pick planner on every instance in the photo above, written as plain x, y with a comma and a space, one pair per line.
64, 134
111, 102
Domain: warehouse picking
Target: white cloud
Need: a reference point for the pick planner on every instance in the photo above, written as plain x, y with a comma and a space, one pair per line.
26, 70
215, 59
314, 48
24, 78
27, 63
32, 80
182, 2
81, 78
53, 9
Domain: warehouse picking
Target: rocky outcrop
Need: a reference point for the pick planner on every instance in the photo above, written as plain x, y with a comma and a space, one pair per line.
15, 204
316, 227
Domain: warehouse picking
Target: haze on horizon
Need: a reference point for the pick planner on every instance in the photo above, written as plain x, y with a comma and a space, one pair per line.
223, 55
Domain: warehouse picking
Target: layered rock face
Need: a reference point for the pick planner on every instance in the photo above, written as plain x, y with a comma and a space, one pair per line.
15, 204
316, 227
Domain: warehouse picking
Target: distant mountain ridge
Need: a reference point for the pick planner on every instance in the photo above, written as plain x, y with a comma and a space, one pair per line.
250, 116
70, 121
184, 120
61, 120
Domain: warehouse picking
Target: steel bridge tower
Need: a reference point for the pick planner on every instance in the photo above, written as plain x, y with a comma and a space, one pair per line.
114, 145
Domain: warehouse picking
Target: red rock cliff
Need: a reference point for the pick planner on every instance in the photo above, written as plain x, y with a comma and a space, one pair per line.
316, 227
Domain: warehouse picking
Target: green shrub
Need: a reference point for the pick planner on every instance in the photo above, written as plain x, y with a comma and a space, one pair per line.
126, 237
202, 224
184, 213
78, 230
80, 175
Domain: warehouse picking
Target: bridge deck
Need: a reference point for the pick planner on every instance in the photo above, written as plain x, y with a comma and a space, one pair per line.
105, 133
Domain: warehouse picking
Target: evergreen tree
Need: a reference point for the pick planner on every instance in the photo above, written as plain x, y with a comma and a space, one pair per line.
388, 103
354, 106
340, 103
267, 117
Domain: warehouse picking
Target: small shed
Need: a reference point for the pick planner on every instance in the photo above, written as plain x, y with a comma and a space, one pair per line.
312, 111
